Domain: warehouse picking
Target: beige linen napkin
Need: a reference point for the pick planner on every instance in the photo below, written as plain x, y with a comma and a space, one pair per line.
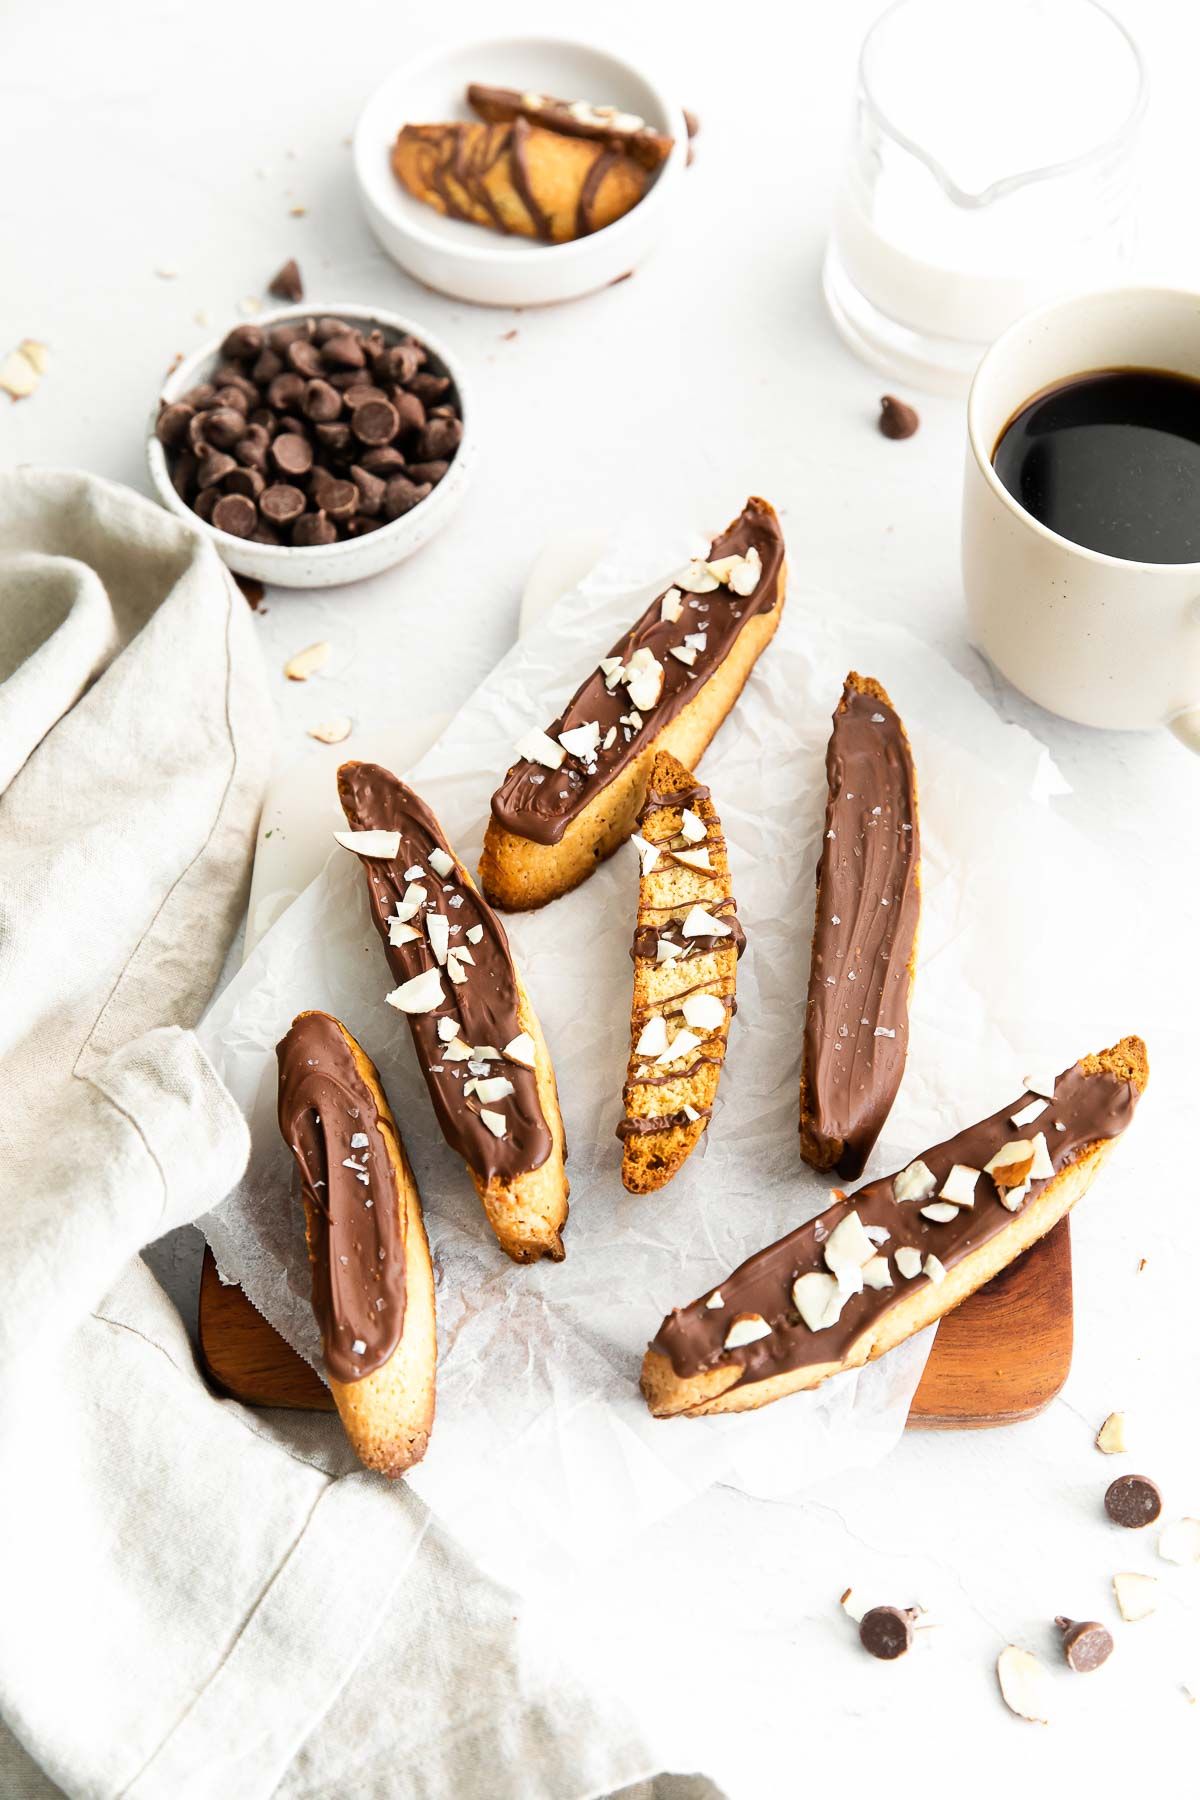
195, 1600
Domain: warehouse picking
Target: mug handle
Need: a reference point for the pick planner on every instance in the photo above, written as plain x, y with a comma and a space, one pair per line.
1185, 724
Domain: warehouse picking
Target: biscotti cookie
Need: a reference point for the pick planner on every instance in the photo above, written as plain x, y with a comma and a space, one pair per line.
620, 132
372, 1282
864, 946
476, 1035
685, 953
666, 685
874, 1269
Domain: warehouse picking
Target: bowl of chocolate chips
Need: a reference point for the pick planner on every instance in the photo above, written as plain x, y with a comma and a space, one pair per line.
315, 447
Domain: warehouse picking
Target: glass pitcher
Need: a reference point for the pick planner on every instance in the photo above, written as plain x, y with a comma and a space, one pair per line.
991, 167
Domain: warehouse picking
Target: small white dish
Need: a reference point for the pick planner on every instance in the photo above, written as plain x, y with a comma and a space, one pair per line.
468, 261
351, 559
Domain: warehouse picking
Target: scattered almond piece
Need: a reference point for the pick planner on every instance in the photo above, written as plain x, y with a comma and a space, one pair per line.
307, 662
23, 368
1136, 1595
331, 731
917, 1182
908, 1261
1111, 1436
1180, 1542
1023, 1684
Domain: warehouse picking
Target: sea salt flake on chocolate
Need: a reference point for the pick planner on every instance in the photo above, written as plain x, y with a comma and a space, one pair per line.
383, 844
415, 873
357, 1347
884, 1031
359, 1141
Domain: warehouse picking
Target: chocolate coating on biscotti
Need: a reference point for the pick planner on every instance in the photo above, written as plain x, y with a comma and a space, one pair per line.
331, 1124
499, 106
868, 902
1090, 1104
539, 804
486, 1004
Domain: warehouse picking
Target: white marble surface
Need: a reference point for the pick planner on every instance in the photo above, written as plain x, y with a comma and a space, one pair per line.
170, 136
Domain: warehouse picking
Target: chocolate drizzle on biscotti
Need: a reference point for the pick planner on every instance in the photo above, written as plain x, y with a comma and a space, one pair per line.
485, 1004
538, 803
868, 900
1090, 1104
331, 1124
623, 132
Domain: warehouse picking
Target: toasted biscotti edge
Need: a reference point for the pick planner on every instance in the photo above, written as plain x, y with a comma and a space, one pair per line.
388, 1415
650, 1161
719, 1390
528, 1214
818, 1150
518, 874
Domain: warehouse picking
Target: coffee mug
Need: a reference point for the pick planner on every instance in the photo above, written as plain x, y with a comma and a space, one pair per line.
1096, 639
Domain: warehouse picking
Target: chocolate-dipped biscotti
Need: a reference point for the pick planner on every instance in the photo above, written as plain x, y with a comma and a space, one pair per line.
685, 953
619, 130
667, 684
476, 1035
519, 178
372, 1283
864, 944
875, 1268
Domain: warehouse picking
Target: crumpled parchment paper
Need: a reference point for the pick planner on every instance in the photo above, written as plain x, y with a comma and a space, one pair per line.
542, 1444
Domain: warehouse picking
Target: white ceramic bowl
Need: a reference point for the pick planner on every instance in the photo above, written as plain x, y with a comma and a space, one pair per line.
351, 559
469, 261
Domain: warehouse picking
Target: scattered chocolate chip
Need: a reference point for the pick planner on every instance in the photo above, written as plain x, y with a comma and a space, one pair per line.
287, 284
897, 420
173, 422
401, 495
292, 454
1085, 1644
1133, 1501
236, 514
886, 1631
376, 423
305, 430
281, 503
252, 589
314, 528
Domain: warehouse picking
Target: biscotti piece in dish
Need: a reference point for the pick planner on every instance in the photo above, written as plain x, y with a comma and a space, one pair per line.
685, 953
864, 946
519, 178
901, 1252
574, 795
619, 130
476, 1035
372, 1282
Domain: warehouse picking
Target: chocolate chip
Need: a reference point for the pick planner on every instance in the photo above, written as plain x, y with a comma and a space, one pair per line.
173, 422
292, 454
440, 439
243, 342
399, 363
200, 395
266, 419
196, 434
244, 481
281, 503
239, 394
431, 472
412, 412
326, 328
251, 449
305, 358
286, 391
1085, 1644
183, 473
886, 1631
321, 402
290, 332
344, 351
334, 438
401, 495
269, 365
386, 461
314, 528
236, 514
376, 423
265, 534
428, 388
223, 427
896, 420
361, 393
370, 489
214, 467
205, 503
338, 499
287, 283
1133, 1501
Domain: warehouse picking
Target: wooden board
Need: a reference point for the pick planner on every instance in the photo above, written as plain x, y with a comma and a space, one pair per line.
1001, 1357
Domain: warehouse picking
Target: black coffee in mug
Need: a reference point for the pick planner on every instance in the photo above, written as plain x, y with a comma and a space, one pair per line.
1111, 460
